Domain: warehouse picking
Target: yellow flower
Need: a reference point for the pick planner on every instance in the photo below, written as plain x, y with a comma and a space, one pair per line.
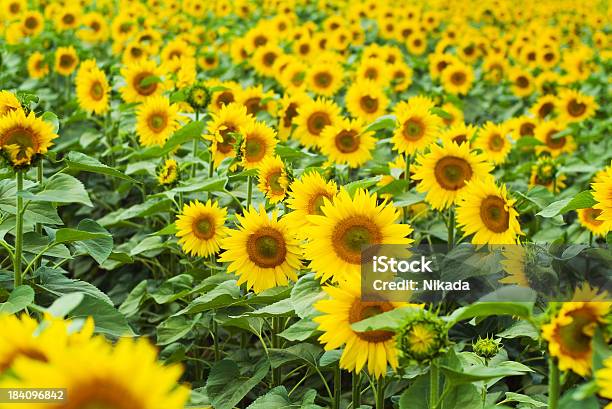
201, 227
222, 129
32, 23
347, 224
92, 90
575, 106
156, 120
493, 141
143, 80
264, 57
457, 78
459, 134
485, 211
589, 219
23, 136
346, 142
66, 60
417, 129
37, 67
366, 100
546, 133
374, 350
258, 143
324, 78
373, 69
8, 103
444, 172
312, 118
256, 100
272, 176
288, 112
544, 173
602, 193
570, 333
262, 252
522, 83
544, 107
306, 198
169, 173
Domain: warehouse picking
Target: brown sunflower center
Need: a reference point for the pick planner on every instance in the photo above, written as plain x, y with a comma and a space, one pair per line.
371, 73
440, 66
254, 148
323, 79
458, 78
157, 121
360, 310
97, 91
575, 108
101, 394
224, 98
494, 215
253, 105
274, 182
260, 40
317, 201
144, 90
527, 129
549, 56
203, 227
290, 113
452, 172
460, 139
31, 23
592, 216
304, 49
574, 337
555, 143
228, 139
347, 141
136, 52
68, 19
269, 58
317, 121
95, 26
496, 142
522, 82
267, 248
66, 61
368, 104
414, 129
546, 109
14, 8
24, 137
352, 234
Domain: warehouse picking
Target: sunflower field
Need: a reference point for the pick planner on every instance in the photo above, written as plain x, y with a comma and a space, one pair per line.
193, 193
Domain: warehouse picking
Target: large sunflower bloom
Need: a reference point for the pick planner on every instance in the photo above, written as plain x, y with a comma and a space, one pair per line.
23, 137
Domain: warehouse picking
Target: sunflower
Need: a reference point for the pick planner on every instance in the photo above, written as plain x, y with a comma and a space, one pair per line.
142, 81
264, 57
444, 171
258, 143
262, 252
570, 334
484, 210
602, 193
417, 128
222, 129
32, 23
522, 83
66, 60
37, 66
374, 69
401, 76
324, 78
13, 9
457, 78
306, 197
459, 134
22, 137
589, 219
92, 91
223, 93
455, 114
546, 132
134, 53
68, 18
417, 43
544, 173
347, 142
201, 227
523, 126
366, 100
312, 119
272, 176
293, 76
438, 63
126, 375
347, 225
156, 120
255, 99
544, 107
95, 28
514, 264
169, 173
494, 67
603, 379
8, 103
493, 141
575, 106
345, 307
288, 112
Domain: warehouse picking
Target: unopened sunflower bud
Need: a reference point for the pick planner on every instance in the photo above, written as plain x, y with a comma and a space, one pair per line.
199, 97
486, 347
423, 338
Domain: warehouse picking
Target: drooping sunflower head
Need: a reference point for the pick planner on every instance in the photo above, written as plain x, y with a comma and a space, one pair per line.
570, 333
376, 349
8, 103
445, 170
495, 67
485, 210
168, 173
346, 142
312, 118
347, 226
263, 252
366, 100
273, 180
258, 143
422, 338
494, 142
66, 60
23, 137
575, 106
143, 80
156, 120
92, 90
417, 128
201, 227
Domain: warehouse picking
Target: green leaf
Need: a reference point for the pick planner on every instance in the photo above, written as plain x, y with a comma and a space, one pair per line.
518, 397
169, 230
203, 184
383, 122
35, 243
391, 320
571, 400
150, 80
441, 113
582, 200
300, 331
131, 305
19, 299
366, 183
71, 235
476, 373
66, 303
226, 293
288, 153
99, 248
51, 118
80, 162
175, 328
460, 397
485, 309
192, 130
55, 283
61, 188
147, 244
106, 317
276, 398
226, 385
528, 142
173, 289
282, 308
520, 329
304, 294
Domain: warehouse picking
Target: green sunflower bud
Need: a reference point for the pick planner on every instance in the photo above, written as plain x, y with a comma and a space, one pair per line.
486, 347
199, 97
423, 338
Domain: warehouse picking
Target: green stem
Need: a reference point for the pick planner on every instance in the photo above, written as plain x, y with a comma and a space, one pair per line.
337, 387
356, 390
18, 231
249, 191
215, 329
380, 393
408, 160
553, 384
39, 178
276, 329
451, 228
433, 385
196, 144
